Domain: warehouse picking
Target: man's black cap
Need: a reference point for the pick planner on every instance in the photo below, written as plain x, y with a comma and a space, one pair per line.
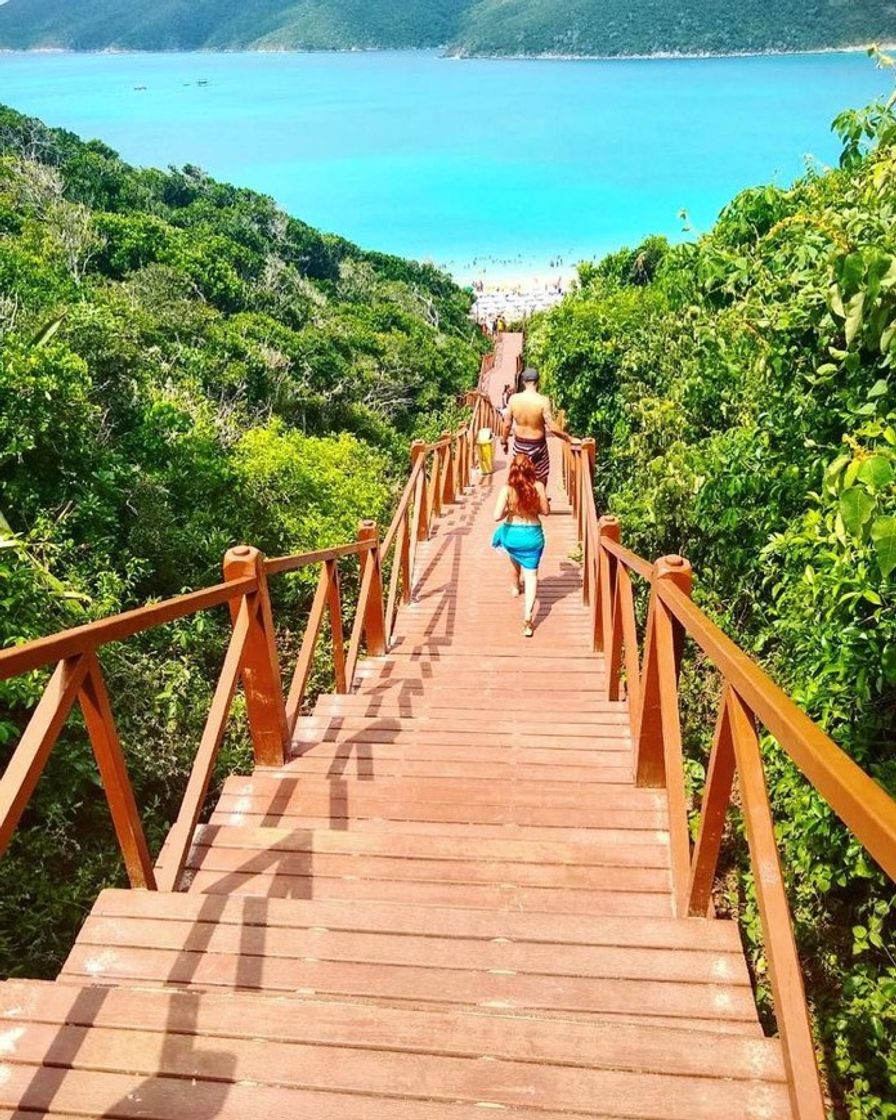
530, 374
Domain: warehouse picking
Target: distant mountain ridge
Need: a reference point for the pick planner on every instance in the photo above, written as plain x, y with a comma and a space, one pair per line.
465, 27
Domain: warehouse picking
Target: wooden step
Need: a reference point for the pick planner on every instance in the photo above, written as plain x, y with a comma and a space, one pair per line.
441, 851
369, 761
240, 812
522, 792
435, 704
285, 803
552, 929
302, 864
407, 957
382, 731
486, 725
191, 1054
601, 1043
430, 703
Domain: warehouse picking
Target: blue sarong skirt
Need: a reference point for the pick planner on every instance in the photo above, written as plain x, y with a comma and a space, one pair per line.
523, 543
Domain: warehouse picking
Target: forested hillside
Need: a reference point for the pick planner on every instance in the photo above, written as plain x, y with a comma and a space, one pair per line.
222, 24
491, 27
624, 27
742, 395
183, 367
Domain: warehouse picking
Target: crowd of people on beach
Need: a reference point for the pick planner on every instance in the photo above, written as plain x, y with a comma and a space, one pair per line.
513, 304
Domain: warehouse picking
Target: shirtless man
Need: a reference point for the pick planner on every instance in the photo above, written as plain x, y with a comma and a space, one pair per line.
529, 416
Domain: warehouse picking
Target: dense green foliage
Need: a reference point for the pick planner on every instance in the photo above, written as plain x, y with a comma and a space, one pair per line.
625, 27
492, 27
742, 395
224, 24
182, 367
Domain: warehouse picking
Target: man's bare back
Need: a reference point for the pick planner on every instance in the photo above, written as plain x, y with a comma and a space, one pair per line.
531, 413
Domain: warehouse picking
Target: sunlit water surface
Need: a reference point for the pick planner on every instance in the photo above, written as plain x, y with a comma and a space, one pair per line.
486, 167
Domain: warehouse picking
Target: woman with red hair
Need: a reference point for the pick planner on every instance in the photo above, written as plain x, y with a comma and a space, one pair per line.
521, 505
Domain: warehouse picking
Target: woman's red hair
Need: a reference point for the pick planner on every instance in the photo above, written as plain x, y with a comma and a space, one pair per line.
521, 481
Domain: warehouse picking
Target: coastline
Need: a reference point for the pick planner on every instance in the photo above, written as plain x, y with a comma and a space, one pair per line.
673, 56
449, 55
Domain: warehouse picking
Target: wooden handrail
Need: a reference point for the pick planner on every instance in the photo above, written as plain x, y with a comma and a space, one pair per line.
865, 808
407, 496
631, 560
440, 471
82, 639
279, 564
749, 697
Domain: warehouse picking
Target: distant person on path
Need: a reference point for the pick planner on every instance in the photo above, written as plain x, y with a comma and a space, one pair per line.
530, 418
521, 505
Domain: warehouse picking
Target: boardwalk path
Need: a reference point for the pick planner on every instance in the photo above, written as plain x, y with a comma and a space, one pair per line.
452, 897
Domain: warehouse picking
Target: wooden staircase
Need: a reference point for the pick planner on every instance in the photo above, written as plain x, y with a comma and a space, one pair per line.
450, 897
451, 900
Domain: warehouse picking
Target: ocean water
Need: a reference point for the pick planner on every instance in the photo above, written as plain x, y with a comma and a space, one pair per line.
490, 168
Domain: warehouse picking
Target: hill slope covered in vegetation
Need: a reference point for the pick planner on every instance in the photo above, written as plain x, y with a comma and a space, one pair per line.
742, 395
490, 27
183, 367
645, 27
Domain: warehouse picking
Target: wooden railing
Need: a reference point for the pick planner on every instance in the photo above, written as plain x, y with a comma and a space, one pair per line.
646, 674
440, 472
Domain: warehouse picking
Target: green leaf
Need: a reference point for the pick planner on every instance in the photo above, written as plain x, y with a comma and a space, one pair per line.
878, 389
833, 471
856, 508
851, 473
888, 664
854, 313
883, 533
46, 332
887, 336
876, 472
851, 272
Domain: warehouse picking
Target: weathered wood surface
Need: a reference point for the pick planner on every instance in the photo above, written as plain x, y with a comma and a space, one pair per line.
450, 896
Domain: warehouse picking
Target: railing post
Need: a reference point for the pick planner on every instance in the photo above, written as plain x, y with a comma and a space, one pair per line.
418, 451
660, 761
714, 809
374, 610
334, 604
789, 996
260, 670
588, 456
606, 615
404, 559
94, 701
650, 765
435, 497
604, 592
575, 455
448, 494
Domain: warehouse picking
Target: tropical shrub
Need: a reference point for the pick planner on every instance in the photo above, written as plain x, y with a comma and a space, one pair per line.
742, 395
183, 368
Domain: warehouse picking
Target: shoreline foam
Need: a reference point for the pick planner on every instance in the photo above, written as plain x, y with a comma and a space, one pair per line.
446, 53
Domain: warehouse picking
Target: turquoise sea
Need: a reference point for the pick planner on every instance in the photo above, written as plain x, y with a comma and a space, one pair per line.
486, 167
